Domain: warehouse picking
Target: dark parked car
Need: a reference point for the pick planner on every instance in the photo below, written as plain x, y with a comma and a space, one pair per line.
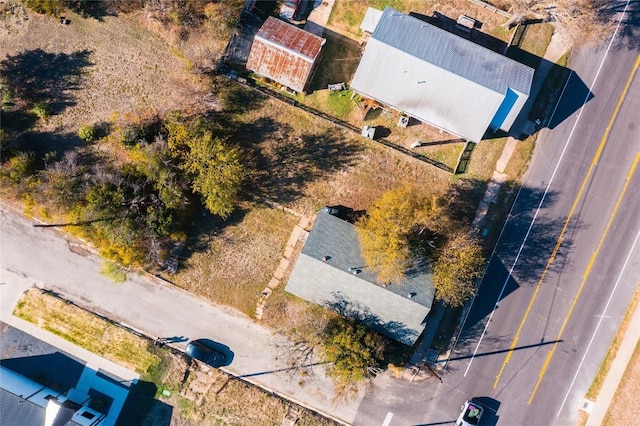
470, 415
196, 349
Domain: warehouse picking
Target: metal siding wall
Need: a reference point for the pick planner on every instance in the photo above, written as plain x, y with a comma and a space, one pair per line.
278, 65
515, 111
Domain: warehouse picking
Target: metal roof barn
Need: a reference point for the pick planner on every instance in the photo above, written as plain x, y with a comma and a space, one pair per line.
440, 78
331, 272
285, 54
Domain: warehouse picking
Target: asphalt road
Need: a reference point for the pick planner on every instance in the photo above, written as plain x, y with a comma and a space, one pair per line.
563, 273
42, 257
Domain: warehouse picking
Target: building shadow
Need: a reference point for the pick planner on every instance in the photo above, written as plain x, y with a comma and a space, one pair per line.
522, 257
338, 61
55, 370
142, 407
473, 34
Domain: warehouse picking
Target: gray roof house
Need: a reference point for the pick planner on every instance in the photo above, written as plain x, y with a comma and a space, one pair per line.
331, 272
440, 78
27, 403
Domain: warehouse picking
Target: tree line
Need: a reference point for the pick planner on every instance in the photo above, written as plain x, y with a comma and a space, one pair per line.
135, 207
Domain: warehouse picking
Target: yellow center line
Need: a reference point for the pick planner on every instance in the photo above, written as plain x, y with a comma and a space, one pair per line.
594, 162
584, 278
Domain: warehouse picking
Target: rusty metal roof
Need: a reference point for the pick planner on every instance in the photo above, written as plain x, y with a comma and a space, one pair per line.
284, 53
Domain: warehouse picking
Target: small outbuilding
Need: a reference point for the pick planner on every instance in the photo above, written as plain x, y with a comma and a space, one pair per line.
285, 54
331, 272
440, 78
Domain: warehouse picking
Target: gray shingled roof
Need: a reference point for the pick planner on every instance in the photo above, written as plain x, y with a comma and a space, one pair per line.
438, 77
330, 283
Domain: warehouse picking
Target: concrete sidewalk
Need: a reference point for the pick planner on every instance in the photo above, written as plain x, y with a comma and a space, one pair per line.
617, 370
555, 50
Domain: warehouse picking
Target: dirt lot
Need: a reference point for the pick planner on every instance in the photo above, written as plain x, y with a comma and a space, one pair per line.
122, 67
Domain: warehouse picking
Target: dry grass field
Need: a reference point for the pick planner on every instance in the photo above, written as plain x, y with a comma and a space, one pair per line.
622, 406
127, 69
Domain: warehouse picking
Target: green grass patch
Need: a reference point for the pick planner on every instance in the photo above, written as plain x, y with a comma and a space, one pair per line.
520, 158
536, 38
484, 158
532, 45
87, 331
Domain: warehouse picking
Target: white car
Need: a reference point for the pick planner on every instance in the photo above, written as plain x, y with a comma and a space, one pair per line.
470, 415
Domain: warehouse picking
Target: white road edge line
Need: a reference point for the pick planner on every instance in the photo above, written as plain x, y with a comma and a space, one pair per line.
564, 149
509, 215
626, 262
387, 419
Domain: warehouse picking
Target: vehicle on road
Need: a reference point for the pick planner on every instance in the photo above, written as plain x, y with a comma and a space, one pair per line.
470, 415
199, 350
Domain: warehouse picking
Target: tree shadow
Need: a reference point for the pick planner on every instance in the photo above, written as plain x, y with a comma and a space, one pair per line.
462, 199
95, 9
285, 164
629, 32
523, 255
362, 314
339, 59
237, 99
40, 76
42, 143
204, 227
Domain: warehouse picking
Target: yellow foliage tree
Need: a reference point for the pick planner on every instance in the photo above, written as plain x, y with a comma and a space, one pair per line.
384, 232
456, 269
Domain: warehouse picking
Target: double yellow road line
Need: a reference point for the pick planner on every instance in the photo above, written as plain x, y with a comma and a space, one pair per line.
577, 199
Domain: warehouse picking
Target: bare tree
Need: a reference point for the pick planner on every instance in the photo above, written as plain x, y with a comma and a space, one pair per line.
583, 22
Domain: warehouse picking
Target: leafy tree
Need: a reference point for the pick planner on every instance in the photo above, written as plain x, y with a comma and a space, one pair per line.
20, 167
41, 110
62, 181
47, 7
384, 233
87, 133
215, 168
457, 267
353, 352
217, 173
114, 271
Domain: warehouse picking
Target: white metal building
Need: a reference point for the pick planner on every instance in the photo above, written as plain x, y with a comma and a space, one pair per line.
440, 78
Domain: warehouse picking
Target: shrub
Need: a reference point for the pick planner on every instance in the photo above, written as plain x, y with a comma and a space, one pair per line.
86, 133
41, 110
